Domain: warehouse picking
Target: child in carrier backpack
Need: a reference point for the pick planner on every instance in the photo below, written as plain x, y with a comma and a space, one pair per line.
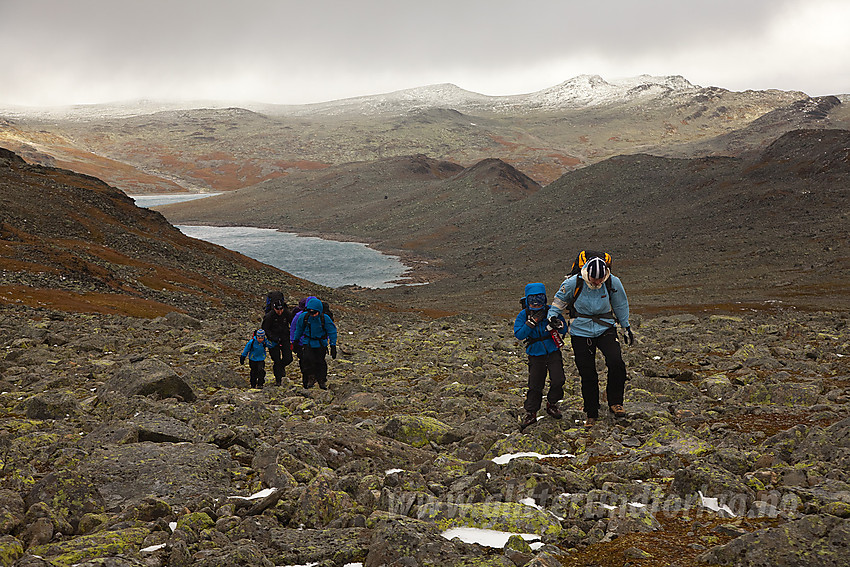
255, 352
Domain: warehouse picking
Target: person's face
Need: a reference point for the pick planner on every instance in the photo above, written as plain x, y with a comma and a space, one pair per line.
313, 313
595, 282
278, 310
261, 338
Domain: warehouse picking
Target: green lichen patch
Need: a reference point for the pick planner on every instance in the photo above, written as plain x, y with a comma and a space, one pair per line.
85, 548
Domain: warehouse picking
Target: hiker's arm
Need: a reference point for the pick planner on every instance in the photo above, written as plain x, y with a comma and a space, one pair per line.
619, 302
332, 332
299, 329
521, 329
561, 299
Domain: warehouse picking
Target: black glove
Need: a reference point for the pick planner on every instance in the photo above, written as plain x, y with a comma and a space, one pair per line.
555, 323
628, 337
242, 359
333, 352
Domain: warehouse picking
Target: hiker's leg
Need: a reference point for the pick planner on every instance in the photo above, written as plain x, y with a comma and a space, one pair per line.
584, 350
321, 367
536, 381
261, 373
255, 372
310, 363
555, 364
610, 347
278, 366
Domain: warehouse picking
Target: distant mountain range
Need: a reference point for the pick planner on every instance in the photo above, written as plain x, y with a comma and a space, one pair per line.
151, 147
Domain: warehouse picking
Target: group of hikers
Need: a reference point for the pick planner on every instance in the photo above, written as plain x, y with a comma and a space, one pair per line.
593, 300
307, 330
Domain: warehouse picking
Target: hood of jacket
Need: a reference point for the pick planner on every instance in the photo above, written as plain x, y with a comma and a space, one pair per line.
534, 288
315, 304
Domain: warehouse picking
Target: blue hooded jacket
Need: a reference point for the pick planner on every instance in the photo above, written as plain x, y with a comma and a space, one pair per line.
539, 340
309, 329
255, 350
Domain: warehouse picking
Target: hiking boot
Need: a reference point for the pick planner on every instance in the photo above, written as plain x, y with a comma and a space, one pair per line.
618, 411
323, 385
552, 409
277, 381
589, 423
529, 419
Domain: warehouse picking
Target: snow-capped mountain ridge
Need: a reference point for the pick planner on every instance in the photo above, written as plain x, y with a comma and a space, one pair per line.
583, 90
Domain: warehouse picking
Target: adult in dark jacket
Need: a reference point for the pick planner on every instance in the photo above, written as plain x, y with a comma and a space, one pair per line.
316, 331
276, 325
543, 355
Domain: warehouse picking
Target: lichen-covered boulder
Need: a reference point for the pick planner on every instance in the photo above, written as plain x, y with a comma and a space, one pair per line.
319, 504
11, 549
69, 493
11, 511
416, 430
518, 443
85, 548
173, 472
56, 404
670, 439
813, 541
148, 377
504, 516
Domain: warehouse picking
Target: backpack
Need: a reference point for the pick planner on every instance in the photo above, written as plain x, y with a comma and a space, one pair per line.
271, 297
578, 264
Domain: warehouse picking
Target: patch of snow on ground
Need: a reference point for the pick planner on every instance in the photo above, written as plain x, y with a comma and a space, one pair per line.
504, 459
258, 495
488, 538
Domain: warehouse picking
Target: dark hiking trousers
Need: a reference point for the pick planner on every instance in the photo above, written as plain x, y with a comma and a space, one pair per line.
538, 366
258, 373
584, 350
281, 357
314, 367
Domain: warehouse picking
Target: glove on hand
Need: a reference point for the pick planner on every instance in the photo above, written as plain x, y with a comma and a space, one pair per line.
241, 360
628, 337
333, 352
555, 323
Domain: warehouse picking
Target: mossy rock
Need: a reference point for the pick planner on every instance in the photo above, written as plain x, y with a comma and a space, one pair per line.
518, 443
11, 549
503, 516
85, 548
415, 430
195, 522
669, 439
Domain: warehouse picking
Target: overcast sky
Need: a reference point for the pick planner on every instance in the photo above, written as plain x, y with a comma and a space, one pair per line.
293, 52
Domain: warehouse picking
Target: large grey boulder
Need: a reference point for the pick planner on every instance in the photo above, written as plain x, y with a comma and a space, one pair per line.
148, 377
814, 541
174, 472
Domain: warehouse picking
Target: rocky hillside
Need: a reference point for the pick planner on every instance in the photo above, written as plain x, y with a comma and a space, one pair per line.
130, 436
543, 134
135, 441
72, 242
709, 233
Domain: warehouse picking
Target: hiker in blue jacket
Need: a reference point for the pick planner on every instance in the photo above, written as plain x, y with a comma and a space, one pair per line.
594, 326
316, 331
543, 354
255, 352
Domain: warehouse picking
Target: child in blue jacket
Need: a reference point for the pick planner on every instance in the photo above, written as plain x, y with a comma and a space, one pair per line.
255, 352
543, 355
